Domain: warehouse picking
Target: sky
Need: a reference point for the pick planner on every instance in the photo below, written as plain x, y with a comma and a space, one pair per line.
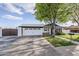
14, 15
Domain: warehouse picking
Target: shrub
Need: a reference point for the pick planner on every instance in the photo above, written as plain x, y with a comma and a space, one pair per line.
46, 34
60, 33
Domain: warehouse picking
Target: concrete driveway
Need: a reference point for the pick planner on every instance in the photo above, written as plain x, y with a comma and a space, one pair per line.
26, 46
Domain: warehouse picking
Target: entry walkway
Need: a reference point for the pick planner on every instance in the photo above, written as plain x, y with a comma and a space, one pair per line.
69, 50
27, 46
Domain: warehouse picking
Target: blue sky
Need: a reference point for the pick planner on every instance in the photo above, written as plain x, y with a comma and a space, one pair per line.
13, 15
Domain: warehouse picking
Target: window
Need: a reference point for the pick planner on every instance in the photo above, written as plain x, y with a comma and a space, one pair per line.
38, 28
45, 29
35, 28
32, 28
26, 28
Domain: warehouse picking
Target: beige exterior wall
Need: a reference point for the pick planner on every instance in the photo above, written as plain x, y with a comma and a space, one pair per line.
65, 31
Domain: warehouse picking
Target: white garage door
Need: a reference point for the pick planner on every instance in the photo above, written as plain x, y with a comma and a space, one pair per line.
32, 31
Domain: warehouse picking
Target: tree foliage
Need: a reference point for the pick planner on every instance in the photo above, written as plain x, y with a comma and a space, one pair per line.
47, 12
52, 13
74, 12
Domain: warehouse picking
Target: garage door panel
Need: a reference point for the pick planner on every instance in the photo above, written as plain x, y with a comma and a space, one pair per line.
32, 32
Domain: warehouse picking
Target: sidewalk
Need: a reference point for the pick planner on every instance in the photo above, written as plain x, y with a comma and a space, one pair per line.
69, 50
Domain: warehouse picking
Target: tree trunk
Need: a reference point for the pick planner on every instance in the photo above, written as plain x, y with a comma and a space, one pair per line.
53, 28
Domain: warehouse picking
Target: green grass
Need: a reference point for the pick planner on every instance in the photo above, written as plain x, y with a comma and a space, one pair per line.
71, 37
58, 42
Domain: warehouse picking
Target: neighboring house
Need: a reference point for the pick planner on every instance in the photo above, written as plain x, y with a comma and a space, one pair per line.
71, 29
36, 29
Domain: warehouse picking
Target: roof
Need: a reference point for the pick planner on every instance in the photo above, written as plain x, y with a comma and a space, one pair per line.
72, 27
32, 25
50, 24
35, 25
55, 25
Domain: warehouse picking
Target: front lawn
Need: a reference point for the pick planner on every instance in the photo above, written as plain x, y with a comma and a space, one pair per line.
58, 42
72, 37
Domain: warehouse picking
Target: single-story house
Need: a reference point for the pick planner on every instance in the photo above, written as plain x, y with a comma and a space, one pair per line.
71, 29
30, 30
36, 29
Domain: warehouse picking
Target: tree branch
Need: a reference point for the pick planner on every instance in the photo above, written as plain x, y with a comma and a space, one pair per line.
75, 19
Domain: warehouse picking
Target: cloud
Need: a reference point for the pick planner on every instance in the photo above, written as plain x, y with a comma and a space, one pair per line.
12, 8
18, 8
28, 7
11, 17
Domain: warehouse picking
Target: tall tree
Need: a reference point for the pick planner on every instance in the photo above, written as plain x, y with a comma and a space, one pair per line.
52, 13
75, 12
